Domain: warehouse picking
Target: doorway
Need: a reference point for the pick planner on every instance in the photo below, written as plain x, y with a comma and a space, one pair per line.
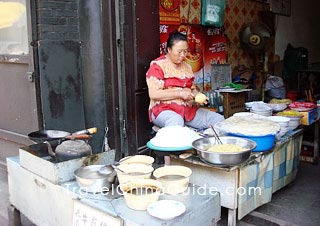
19, 111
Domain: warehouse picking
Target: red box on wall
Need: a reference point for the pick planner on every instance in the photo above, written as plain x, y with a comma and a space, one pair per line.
169, 11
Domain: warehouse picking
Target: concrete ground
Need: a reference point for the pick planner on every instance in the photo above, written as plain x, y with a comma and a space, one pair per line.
296, 204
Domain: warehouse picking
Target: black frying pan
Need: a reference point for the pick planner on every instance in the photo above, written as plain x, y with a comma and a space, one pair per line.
50, 135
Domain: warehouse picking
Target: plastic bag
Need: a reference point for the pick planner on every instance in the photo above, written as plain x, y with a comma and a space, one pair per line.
275, 87
273, 82
212, 12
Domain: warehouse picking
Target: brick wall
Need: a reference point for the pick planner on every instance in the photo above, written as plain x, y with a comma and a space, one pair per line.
57, 19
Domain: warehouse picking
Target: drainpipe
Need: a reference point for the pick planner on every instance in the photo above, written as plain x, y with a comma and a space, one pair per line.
92, 69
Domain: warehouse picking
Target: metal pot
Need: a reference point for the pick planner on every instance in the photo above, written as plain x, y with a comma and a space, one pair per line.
91, 180
69, 149
223, 158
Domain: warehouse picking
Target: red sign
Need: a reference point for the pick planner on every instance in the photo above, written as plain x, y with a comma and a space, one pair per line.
215, 47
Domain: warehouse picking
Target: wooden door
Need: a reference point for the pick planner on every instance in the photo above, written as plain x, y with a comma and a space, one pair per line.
140, 48
131, 40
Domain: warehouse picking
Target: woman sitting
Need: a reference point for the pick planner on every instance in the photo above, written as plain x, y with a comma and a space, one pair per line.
172, 92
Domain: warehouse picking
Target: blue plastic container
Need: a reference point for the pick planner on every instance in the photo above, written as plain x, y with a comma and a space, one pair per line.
264, 143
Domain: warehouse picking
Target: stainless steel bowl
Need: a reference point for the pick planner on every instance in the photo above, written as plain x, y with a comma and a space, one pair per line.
223, 158
91, 179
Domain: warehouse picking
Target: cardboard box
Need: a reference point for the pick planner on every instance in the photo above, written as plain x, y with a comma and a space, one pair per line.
309, 117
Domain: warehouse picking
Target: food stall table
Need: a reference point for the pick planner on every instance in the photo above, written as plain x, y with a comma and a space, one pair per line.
249, 185
47, 203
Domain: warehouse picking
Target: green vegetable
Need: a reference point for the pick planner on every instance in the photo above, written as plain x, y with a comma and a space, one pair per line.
232, 85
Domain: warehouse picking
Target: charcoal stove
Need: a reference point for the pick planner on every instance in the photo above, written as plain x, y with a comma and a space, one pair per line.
36, 159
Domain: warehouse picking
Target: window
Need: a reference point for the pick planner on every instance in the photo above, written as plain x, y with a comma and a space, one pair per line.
13, 28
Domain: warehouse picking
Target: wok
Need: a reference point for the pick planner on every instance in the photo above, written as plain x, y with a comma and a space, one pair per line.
223, 158
51, 135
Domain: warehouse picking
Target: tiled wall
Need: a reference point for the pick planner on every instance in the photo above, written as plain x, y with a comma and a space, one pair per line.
237, 14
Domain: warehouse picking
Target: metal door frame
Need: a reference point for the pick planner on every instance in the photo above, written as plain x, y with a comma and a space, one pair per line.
111, 43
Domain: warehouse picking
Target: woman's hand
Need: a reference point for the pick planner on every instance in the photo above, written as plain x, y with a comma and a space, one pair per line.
201, 99
195, 92
186, 94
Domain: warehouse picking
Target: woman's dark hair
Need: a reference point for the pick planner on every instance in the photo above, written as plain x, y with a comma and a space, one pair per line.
173, 37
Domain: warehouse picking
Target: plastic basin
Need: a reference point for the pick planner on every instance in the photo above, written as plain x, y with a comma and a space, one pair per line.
264, 143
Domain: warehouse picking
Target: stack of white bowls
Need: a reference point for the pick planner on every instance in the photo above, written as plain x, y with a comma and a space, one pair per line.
261, 109
262, 112
249, 104
283, 122
294, 122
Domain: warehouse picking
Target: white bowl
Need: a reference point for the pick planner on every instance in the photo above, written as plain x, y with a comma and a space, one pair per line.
249, 104
142, 159
281, 120
138, 194
278, 107
263, 112
166, 209
294, 122
174, 178
133, 171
